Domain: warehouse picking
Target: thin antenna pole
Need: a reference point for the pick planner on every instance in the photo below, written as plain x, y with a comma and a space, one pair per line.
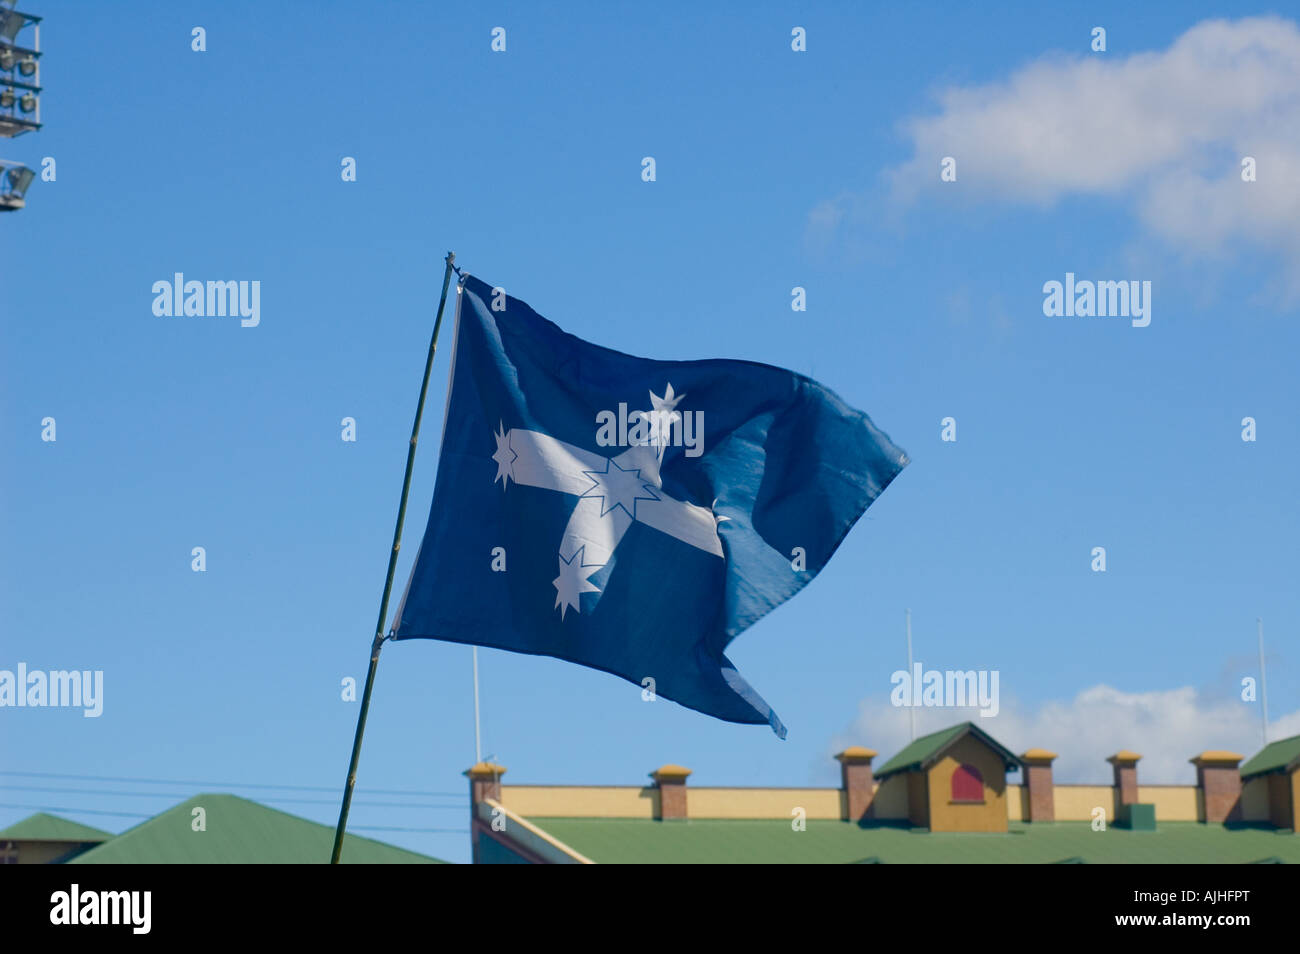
1263, 678
388, 582
478, 737
911, 709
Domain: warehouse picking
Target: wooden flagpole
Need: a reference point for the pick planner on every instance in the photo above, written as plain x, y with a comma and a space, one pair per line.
380, 636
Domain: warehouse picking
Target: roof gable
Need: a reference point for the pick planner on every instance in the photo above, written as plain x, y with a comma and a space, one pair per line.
1274, 757
238, 831
928, 749
43, 827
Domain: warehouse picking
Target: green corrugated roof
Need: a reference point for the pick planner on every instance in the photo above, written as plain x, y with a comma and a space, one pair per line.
1273, 757
929, 747
238, 832
920, 750
642, 841
43, 827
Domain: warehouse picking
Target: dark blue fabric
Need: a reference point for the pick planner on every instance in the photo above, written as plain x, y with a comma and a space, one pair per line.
786, 468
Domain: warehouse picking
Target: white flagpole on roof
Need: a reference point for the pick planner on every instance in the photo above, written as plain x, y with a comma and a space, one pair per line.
1263, 679
478, 738
911, 709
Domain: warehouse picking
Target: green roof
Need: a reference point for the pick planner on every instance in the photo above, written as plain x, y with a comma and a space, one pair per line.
238, 831
643, 841
928, 748
1274, 757
43, 827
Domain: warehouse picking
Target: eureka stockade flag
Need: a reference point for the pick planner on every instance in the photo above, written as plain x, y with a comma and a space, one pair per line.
628, 514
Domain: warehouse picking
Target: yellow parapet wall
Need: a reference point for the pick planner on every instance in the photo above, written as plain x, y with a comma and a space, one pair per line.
1076, 802
1073, 802
581, 801
578, 801
764, 802
1173, 802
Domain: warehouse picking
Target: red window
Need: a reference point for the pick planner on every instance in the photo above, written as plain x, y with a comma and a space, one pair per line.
967, 784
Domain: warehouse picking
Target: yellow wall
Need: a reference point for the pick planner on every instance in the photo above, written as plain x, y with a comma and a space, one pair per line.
578, 801
1254, 799
1283, 792
763, 802
1017, 802
947, 815
1174, 802
890, 800
1295, 801
918, 799
1076, 802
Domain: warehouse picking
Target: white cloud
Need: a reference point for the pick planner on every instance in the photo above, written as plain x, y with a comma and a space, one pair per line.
1166, 727
1165, 131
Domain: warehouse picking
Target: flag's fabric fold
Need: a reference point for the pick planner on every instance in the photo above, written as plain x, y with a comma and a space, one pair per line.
629, 514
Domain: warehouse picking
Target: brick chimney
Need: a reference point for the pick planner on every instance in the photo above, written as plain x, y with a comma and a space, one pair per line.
1126, 776
484, 782
671, 782
1038, 782
1219, 779
856, 781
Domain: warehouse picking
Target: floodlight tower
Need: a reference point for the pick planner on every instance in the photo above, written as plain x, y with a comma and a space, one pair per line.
20, 96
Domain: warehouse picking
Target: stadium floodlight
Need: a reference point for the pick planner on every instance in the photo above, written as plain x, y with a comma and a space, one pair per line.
13, 186
20, 104
11, 21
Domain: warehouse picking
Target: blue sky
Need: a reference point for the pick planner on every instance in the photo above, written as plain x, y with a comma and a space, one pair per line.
775, 169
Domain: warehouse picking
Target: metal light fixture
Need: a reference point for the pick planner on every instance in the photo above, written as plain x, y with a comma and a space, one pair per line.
27, 65
20, 177
11, 21
14, 181
28, 102
6, 59
6, 98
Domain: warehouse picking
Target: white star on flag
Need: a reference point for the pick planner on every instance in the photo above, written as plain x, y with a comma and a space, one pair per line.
662, 416
613, 493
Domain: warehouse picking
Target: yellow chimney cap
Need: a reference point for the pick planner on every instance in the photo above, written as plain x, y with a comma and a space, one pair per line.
485, 770
1123, 757
1038, 755
856, 753
1217, 757
670, 773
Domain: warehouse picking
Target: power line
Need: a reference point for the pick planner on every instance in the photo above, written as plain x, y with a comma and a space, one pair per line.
184, 797
91, 811
73, 811
165, 781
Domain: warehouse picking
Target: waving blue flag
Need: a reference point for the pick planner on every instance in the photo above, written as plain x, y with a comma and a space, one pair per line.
627, 514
